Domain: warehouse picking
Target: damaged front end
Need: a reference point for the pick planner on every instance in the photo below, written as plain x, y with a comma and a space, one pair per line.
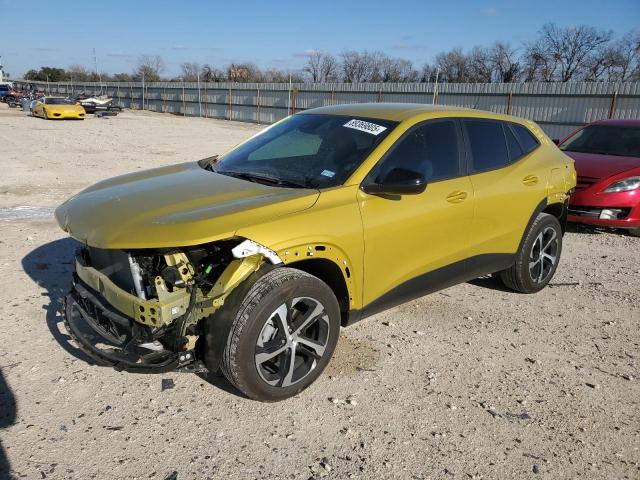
146, 310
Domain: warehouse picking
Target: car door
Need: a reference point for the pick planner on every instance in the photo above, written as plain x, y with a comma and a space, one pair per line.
507, 183
408, 236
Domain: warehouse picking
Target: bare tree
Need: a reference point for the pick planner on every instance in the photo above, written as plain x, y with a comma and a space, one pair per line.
397, 70
122, 77
328, 68
628, 55
212, 74
478, 66
360, 66
150, 67
80, 73
563, 53
427, 73
190, 71
312, 67
538, 66
243, 73
452, 65
504, 62
321, 67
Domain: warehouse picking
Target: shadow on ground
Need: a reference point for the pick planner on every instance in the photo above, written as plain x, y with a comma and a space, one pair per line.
585, 229
50, 266
7, 418
491, 282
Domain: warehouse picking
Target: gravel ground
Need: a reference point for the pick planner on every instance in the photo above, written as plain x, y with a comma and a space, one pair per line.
471, 382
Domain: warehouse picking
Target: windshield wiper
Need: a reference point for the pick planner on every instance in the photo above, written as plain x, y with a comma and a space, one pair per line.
260, 178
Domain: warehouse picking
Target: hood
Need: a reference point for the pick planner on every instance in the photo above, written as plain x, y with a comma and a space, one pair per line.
602, 166
174, 206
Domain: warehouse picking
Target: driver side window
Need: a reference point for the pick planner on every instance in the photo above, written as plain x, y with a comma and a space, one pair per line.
431, 149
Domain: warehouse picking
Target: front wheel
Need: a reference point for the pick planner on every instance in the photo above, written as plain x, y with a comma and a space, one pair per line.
283, 335
538, 257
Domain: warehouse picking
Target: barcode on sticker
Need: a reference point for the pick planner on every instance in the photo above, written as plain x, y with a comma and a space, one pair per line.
363, 126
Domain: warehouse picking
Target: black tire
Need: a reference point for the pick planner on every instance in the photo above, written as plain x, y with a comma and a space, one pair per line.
634, 231
522, 276
257, 316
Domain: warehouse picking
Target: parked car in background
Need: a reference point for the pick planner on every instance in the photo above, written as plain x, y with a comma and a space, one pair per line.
251, 262
5, 87
9, 95
607, 160
57, 108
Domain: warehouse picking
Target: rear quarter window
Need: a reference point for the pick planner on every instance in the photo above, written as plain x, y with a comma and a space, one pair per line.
528, 141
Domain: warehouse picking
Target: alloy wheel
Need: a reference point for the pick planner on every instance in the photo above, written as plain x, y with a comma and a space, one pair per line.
292, 341
544, 255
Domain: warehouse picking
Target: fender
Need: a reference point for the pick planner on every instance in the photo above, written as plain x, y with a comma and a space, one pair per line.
331, 252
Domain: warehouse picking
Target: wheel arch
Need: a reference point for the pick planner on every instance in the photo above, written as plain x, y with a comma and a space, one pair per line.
330, 273
558, 210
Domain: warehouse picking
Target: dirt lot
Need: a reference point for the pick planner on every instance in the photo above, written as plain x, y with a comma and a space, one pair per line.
471, 382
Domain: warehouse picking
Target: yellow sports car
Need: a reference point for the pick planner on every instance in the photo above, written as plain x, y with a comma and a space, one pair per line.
57, 108
251, 262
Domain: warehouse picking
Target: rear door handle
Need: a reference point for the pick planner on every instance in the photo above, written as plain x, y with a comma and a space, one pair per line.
530, 180
456, 197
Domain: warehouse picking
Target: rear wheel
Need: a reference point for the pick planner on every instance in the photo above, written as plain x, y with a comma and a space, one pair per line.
635, 232
538, 257
283, 335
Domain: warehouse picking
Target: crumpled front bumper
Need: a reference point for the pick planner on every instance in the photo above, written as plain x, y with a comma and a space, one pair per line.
113, 339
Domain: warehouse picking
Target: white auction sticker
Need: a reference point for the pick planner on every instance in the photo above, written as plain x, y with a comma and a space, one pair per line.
363, 126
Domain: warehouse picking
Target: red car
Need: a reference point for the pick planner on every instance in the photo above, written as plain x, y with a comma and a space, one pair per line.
607, 160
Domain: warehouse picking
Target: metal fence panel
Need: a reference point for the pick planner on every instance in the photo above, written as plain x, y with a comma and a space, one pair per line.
559, 108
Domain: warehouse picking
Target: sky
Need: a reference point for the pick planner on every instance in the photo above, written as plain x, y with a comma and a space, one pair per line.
276, 34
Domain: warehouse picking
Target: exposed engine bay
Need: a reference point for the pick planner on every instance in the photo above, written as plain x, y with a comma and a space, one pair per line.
146, 310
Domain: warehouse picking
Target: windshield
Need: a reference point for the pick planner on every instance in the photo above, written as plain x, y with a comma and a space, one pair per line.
606, 140
306, 150
58, 101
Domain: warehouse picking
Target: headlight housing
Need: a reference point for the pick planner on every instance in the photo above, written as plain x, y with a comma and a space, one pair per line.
625, 185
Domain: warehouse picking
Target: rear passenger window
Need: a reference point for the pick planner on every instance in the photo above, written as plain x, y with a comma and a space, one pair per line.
430, 149
515, 150
527, 140
488, 147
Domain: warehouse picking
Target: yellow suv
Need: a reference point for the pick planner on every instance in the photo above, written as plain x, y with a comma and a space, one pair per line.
250, 262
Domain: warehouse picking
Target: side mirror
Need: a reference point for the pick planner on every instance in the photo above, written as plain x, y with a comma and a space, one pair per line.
556, 141
398, 182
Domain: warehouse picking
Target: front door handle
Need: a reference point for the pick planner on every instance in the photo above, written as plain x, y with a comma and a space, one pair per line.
530, 180
457, 196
